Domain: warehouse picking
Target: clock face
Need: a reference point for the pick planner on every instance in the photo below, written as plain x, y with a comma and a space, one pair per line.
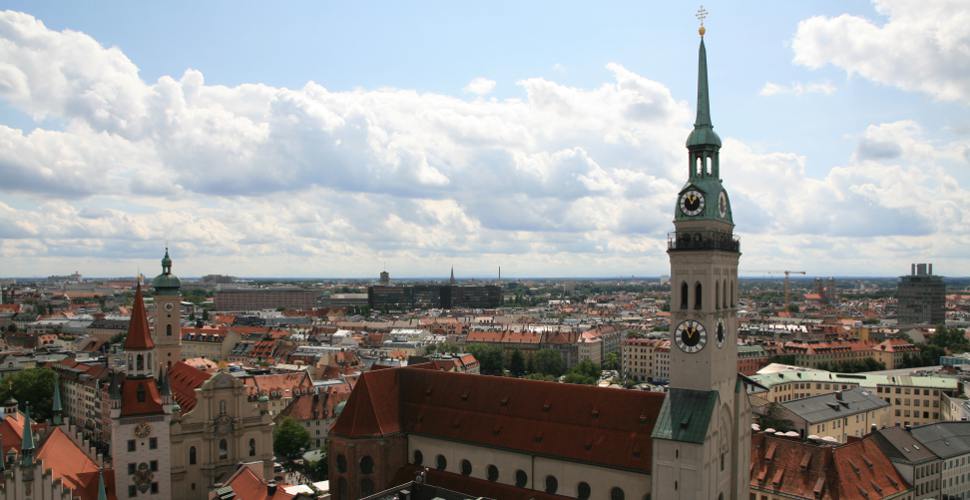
169, 306
143, 430
690, 336
692, 202
720, 333
722, 204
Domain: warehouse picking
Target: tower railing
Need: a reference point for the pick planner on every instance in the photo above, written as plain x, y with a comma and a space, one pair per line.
703, 240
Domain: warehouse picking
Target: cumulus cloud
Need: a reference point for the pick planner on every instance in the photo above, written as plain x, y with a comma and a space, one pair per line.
254, 179
480, 86
797, 88
922, 46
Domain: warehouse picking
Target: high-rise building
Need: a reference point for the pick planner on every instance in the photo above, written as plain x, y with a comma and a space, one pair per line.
921, 297
168, 317
701, 443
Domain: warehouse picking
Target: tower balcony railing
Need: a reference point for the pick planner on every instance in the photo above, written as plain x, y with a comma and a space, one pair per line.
703, 240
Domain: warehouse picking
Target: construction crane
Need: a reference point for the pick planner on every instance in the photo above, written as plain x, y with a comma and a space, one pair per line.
787, 283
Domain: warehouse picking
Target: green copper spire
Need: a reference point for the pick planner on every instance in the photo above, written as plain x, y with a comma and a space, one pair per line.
166, 263
27, 446
102, 493
56, 407
703, 133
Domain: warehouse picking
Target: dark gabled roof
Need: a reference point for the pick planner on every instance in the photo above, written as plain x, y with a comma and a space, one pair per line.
946, 439
825, 407
899, 445
685, 415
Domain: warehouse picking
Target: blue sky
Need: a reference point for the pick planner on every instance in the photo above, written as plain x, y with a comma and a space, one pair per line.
818, 119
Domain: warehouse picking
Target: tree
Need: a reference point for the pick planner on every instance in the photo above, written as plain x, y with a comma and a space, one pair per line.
289, 438
205, 315
549, 362
586, 372
612, 362
517, 363
34, 386
772, 419
491, 360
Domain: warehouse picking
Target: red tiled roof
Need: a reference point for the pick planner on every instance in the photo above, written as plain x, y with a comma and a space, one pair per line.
151, 403
855, 470
247, 485
588, 424
72, 466
317, 406
184, 379
286, 384
139, 336
12, 431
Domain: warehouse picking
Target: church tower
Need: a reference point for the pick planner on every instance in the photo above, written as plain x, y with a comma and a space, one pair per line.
140, 417
703, 434
168, 317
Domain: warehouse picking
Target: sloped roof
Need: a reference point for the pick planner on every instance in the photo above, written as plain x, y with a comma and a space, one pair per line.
139, 335
589, 424
71, 465
472, 486
249, 486
855, 470
825, 407
899, 444
946, 439
685, 415
151, 403
184, 379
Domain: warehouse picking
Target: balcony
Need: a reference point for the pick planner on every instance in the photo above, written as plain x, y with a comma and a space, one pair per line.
703, 240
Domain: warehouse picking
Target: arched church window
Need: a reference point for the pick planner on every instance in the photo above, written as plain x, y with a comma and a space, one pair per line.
466, 467
724, 297
717, 295
732, 293
223, 449
552, 484
698, 296
341, 464
252, 447
521, 478
441, 462
491, 472
222, 407
583, 490
366, 464
709, 166
684, 293
418, 457
366, 487
342, 489
168, 330
192, 457
617, 493
697, 165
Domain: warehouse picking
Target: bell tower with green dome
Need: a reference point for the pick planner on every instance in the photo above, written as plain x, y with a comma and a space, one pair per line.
702, 439
168, 316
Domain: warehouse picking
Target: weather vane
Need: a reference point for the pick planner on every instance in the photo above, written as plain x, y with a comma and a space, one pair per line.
701, 15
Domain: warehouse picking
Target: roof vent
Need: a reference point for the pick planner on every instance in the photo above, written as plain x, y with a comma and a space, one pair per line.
546, 406
464, 396
504, 401
595, 413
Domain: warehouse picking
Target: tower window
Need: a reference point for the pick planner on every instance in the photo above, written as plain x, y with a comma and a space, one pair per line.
617, 493
684, 294
717, 295
139, 363
521, 478
466, 468
367, 464
223, 449
192, 457
152, 443
131, 445
724, 296
492, 473
252, 447
583, 490
418, 457
441, 462
698, 296
551, 485
168, 330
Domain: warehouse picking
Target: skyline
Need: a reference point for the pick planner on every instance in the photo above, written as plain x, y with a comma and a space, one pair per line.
537, 162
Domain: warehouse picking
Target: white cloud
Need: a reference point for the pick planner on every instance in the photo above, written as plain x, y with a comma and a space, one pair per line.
261, 180
797, 88
480, 86
923, 46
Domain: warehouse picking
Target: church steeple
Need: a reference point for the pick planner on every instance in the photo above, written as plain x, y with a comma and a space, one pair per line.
27, 444
703, 133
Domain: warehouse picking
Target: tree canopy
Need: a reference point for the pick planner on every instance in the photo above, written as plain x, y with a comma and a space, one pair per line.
548, 362
491, 359
33, 385
289, 438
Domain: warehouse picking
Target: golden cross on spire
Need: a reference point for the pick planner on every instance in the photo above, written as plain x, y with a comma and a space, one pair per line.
701, 15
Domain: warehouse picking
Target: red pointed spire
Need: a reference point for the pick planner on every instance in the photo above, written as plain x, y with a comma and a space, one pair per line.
139, 336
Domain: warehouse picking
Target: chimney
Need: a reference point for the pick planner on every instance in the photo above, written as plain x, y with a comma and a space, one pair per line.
838, 395
271, 487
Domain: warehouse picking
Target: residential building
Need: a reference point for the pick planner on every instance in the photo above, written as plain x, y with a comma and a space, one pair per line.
255, 299
951, 442
840, 415
919, 466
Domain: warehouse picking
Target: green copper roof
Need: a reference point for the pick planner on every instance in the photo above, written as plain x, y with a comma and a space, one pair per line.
102, 493
685, 415
166, 283
703, 133
56, 407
